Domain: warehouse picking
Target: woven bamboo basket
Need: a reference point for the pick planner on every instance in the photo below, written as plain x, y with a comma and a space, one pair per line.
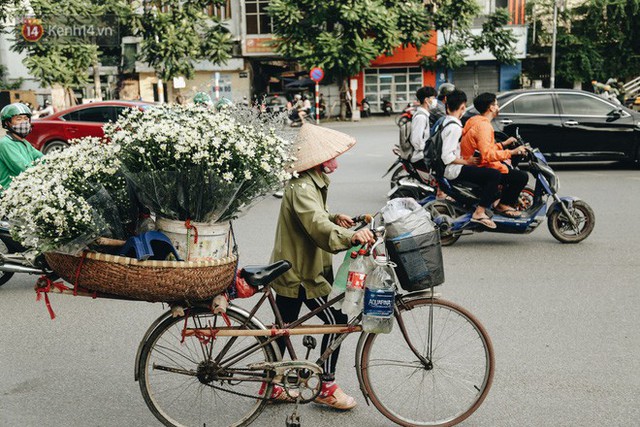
155, 281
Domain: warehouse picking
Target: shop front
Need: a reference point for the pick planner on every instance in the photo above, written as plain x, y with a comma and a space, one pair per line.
395, 78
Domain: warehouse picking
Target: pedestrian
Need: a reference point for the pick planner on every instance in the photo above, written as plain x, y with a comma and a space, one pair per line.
478, 135
306, 235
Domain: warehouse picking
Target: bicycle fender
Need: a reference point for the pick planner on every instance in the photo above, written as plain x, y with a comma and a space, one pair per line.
231, 308
555, 206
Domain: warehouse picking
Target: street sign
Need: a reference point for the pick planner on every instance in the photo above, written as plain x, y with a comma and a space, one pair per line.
316, 74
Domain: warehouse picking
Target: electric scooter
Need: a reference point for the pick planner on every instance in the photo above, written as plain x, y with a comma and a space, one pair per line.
569, 219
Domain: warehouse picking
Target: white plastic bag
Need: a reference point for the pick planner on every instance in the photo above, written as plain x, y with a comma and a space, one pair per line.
405, 217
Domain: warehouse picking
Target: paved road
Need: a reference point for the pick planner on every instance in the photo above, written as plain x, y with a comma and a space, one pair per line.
563, 318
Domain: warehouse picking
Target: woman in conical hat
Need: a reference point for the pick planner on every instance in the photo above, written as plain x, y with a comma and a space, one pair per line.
306, 235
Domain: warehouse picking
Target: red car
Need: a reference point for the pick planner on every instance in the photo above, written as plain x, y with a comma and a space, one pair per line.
52, 133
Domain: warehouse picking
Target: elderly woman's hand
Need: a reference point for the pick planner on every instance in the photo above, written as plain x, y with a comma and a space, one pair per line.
363, 236
344, 221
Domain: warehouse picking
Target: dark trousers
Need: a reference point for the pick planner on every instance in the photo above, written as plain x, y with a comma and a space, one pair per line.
512, 184
487, 178
290, 311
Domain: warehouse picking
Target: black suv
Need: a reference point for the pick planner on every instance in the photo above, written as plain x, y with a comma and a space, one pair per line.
570, 125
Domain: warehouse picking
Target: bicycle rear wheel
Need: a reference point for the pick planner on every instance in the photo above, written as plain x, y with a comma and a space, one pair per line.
184, 384
443, 392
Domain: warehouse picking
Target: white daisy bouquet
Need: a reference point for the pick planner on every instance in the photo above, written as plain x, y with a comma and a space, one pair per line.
69, 198
190, 162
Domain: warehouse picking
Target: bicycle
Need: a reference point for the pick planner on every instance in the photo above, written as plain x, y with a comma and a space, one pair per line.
434, 369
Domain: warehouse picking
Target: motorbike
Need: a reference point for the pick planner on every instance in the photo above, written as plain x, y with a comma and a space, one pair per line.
387, 107
366, 108
407, 181
16, 259
569, 219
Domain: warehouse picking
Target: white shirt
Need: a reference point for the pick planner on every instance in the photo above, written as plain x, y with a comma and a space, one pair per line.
420, 132
451, 146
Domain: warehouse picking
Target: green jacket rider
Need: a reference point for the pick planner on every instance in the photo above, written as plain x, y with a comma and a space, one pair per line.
16, 153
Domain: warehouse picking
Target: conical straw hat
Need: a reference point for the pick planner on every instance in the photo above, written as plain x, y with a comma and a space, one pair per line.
315, 145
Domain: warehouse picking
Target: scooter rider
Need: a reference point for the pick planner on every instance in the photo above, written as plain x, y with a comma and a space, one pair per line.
420, 128
16, 153
478, 135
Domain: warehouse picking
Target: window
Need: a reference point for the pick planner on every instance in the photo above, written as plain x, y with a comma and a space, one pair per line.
507, 109
534, 104
397, 85
95, 114
258, 19
583, 105
223, 11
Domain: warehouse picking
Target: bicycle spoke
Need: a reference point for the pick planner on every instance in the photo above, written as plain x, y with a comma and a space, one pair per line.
446, 390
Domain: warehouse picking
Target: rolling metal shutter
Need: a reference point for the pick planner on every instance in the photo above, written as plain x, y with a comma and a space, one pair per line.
475, 79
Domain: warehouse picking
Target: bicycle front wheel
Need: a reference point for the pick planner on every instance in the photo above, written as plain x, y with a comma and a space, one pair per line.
200, 382
443, 379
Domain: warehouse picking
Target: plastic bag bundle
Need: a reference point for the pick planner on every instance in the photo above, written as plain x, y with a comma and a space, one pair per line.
413, 243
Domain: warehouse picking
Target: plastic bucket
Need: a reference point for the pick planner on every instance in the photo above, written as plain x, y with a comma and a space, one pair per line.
198, 241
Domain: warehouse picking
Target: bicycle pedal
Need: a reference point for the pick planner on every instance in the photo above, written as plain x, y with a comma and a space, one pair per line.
293, 420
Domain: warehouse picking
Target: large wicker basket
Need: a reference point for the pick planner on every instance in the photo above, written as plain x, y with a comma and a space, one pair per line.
154, 281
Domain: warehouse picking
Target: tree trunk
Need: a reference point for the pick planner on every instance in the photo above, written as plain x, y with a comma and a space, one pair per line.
160, 91
343, 99
96, 81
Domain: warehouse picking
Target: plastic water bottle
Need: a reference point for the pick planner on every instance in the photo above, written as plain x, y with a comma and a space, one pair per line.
340, 281
379, 296
360, 267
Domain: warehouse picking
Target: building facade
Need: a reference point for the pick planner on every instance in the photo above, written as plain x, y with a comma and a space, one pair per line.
482, 72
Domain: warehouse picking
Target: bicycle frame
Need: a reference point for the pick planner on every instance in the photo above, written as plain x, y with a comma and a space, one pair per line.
281, 330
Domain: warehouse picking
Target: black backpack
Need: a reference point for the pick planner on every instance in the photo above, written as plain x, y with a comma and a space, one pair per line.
433, 150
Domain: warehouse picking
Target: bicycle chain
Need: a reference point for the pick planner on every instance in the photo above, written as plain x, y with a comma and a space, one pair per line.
237, 393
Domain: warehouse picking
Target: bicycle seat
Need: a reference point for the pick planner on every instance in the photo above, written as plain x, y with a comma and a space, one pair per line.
261, 275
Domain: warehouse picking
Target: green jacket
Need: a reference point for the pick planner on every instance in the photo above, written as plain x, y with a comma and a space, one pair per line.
15, 157
306, 236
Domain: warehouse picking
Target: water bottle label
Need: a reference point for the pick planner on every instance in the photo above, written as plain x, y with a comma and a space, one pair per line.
356, 280
379, 303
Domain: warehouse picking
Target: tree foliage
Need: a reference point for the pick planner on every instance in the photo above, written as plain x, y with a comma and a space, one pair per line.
177, 33
59, 60
344, 36
4, 84
597, 39
454, 19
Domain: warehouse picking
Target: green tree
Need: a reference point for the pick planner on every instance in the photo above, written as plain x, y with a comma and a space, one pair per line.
4, 85
454, 20
597, 39
177, 33
58, 59
344, 36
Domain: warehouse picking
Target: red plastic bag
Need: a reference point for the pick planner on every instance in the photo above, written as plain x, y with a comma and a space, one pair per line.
243, 289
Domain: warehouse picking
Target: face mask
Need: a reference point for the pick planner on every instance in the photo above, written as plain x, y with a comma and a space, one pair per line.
434, 103
330, 166
22, 129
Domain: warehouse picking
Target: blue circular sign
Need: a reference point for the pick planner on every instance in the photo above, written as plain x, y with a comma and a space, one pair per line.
316, 74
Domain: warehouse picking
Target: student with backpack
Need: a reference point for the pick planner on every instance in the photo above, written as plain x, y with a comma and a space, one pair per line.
420, 129
458, 168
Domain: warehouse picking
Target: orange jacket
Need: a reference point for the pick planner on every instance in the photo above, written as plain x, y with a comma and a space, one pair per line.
478, 135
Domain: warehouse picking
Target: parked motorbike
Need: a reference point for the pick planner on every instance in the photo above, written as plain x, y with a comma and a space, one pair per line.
387, 107
366, 108
569, 219
16, 259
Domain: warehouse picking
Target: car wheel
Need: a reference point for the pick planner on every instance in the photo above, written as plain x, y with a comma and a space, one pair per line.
54, 147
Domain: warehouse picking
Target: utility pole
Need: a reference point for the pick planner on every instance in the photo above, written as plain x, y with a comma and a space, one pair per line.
552, 79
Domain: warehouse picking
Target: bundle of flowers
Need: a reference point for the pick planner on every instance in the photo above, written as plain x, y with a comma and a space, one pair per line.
69, 198
191, 163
